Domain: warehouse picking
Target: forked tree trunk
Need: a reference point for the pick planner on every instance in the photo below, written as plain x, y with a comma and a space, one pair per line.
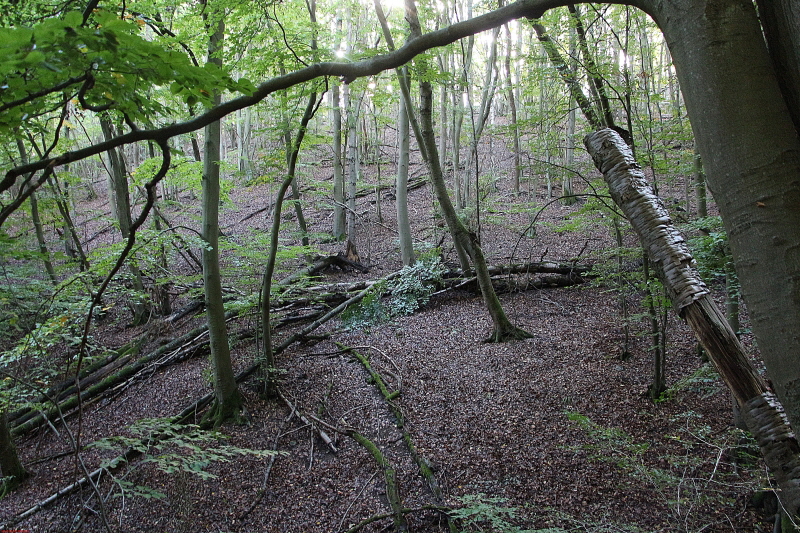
691, 299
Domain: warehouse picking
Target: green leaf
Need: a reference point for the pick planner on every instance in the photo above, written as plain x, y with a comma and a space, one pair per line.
34, 57
73, 18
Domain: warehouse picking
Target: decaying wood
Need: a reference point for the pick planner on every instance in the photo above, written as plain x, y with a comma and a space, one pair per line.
389, 396
34, 418
675, 265
389, 477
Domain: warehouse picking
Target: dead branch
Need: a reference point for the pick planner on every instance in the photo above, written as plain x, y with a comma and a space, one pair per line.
423, 464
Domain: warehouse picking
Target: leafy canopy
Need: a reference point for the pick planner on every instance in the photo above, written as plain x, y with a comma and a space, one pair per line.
106, 63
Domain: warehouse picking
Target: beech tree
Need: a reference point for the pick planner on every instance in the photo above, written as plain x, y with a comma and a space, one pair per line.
228, 400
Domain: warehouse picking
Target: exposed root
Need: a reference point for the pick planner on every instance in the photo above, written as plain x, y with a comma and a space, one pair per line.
508, 334
224, 412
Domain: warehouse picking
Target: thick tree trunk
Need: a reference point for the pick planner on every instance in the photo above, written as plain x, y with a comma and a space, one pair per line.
781, 22
751, 153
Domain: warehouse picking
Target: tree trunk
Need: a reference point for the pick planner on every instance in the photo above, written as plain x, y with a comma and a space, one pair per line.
70, 233
781, 22
673, 261
352, 169
503, 329
121, 209
338, 174
228, 401
10, 466
401, 190
37, 223
751, 153
700, 186
512, 104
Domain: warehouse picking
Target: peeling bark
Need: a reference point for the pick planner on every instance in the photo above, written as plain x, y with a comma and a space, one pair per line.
675, 266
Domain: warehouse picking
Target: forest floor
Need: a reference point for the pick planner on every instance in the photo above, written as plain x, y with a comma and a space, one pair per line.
551, 432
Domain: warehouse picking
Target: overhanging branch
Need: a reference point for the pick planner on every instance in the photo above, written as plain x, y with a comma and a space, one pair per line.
347, 71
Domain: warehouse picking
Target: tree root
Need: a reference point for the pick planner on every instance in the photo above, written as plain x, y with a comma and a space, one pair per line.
508, 334
389, 477
221, 413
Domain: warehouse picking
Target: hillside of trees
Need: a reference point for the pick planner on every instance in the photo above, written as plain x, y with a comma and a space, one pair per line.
365, 267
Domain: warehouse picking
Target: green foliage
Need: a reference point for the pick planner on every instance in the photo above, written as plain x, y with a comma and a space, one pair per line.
171, 448
609, 444
407, 293
105, 63
696, 479
710, 247
482, 513
183, 173
704, 382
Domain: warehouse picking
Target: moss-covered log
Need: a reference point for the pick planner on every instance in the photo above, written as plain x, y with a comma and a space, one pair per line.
424, 465
389, 477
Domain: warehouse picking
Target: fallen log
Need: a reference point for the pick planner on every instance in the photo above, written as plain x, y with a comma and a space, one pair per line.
422, 463
39, 418
541, 267
58, 390
389, 478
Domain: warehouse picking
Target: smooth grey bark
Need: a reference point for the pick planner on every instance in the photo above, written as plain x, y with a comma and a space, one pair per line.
37, 223
700, 186
121, 209
751, 153
71, 237
352, 164
512, 104
781, 22
338, 175
401, 189
228, 401
487, 96
295, 190
407, 111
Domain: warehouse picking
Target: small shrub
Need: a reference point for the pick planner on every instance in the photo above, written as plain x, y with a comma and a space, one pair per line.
407, 293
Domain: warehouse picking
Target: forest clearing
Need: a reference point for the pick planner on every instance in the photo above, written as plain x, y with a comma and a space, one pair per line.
365, 267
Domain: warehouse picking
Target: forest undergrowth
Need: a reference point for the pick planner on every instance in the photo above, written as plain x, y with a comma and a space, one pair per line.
553, 433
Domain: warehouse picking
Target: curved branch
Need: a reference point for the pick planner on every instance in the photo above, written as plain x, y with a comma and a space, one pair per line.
44, 92
347, 71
